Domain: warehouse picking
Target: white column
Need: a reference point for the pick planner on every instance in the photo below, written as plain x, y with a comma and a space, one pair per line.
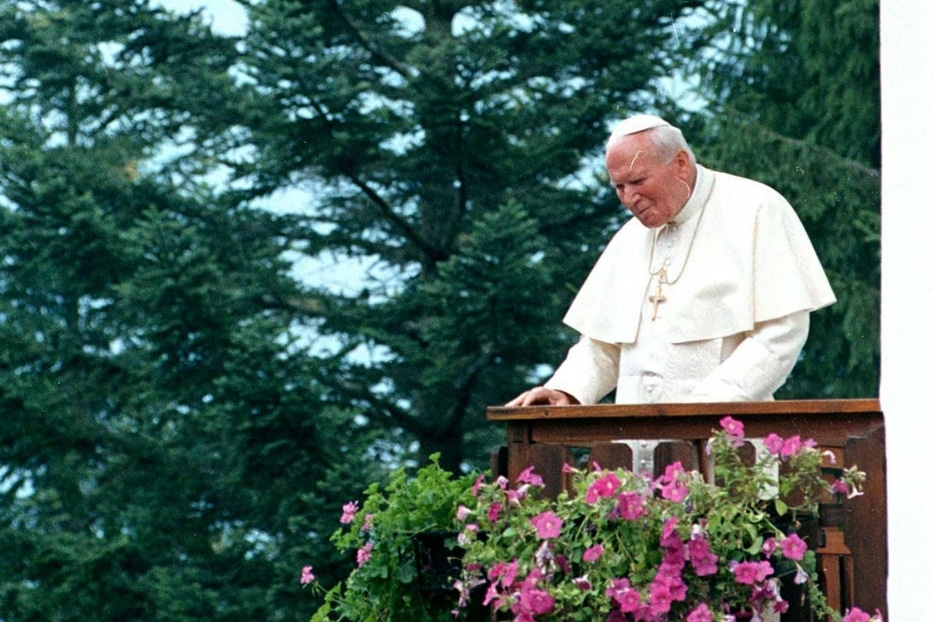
907, 391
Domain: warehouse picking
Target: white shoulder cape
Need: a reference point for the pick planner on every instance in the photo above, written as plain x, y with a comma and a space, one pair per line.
752, 261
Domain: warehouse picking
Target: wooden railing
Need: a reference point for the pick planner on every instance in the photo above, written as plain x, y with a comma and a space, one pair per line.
853, 551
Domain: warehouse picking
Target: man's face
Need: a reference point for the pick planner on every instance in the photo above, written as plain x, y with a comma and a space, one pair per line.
653, 190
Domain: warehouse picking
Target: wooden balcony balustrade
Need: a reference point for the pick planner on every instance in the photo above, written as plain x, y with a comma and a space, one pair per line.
852, 551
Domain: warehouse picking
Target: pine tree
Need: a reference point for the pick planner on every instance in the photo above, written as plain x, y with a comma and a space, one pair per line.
416, 127
165, 444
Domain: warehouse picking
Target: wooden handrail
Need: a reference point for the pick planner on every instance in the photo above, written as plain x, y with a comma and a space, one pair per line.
852, 428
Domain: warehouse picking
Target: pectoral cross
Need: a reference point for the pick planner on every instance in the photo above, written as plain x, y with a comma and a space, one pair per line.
658, 297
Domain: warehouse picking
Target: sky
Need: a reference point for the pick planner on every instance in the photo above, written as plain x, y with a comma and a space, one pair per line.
225, 16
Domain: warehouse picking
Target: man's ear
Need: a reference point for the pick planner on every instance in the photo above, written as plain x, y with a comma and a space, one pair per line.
683, 160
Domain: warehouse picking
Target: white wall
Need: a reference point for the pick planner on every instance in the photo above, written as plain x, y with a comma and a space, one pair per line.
907, 392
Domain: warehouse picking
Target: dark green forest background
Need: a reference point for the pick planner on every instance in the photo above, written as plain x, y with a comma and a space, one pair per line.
182, 416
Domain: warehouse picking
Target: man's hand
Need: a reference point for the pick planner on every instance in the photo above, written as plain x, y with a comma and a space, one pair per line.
541, 395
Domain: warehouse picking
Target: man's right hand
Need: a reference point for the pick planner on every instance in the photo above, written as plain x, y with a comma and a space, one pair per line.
541, 395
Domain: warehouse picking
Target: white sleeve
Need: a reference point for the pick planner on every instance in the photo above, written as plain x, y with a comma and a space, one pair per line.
589, 372
760, 364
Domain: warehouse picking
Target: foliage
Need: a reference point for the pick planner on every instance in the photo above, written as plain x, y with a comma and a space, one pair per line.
422, 131
621, 546
386, 584
157, 411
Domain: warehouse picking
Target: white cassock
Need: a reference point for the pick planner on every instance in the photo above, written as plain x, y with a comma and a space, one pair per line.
730, 322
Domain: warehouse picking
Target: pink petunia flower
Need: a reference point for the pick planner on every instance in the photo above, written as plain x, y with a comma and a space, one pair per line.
858, 615
529, 477
671, 486
582, 583
493, 511
463, 512
548, 525
732, 427
536, 601
602, 487
349, 512
593, 553
700, 614
666, 588
629, 506
624, 595
701, 557
515, 496
774, 443
793, 547
307, 576
791, 446
505, 572
750, 573
364, 554
769, 546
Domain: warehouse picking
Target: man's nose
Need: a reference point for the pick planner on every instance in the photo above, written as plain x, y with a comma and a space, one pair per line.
627, 196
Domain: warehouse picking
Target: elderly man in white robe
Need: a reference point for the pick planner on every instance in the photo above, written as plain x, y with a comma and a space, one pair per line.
703, 296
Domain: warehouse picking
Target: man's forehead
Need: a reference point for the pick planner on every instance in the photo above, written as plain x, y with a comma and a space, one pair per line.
631, 154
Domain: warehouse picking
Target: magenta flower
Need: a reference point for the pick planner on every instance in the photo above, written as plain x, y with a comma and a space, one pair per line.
672, 488
536, 601
603, 487
562, 562
475, 489
669, 535
593, 553
858, 615
840, 487
629, 506
307, 576
791, 446
702, 558
750, 573
582, 583
794, 547
548, 525
515, 496
700, 614
732, 427
492, 594
493, 511
364, 554
774, 443
623, 594
349, 512
506, 573
529, 477
769, 546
